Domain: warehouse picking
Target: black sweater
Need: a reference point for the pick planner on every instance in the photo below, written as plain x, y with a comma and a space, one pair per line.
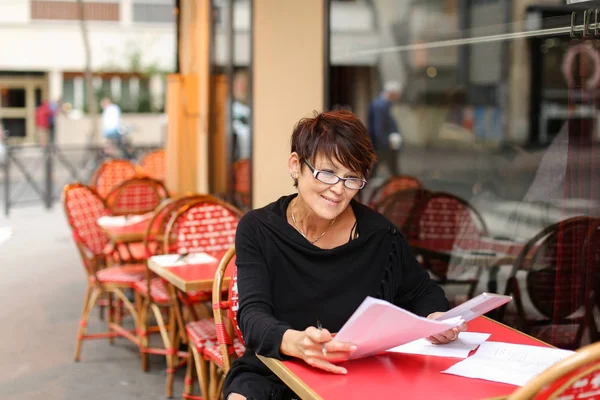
284, 282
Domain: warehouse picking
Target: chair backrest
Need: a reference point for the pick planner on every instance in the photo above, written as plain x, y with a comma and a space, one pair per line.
399, 206
445, 219
206, 225
591, 254
110, 174
391, 185
136, 196
556, 268
575, 377
225, 310
83, 206
154, 165
161, 216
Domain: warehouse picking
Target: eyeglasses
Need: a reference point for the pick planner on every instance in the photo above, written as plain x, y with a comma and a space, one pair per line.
331, 179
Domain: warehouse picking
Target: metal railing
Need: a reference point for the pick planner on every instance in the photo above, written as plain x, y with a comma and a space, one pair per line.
34, 174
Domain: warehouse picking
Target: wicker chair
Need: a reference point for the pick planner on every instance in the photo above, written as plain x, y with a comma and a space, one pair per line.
390, 186
445, 220
83, 206
399, 206
591, 253
154, 165
557, 283
136, 196
110, 174
204, 225
152, 293
229, 343
575, 377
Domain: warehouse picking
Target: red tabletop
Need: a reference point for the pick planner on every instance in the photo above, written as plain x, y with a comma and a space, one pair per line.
191, 277
394, 375
133, 232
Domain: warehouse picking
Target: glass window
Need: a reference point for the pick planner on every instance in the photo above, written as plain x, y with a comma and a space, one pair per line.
12, 97
490, 109
231, 71
16, 127
153, 11
68, 93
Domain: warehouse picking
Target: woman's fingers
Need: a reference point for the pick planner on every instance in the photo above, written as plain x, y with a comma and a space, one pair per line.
334, 346
444, 337
325, 365
318, 335
332, 356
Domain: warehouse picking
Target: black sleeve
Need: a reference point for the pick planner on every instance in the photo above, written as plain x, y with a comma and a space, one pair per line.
262, 332
416, 291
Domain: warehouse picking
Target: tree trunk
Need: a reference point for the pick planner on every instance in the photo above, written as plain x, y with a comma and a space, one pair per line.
89, 87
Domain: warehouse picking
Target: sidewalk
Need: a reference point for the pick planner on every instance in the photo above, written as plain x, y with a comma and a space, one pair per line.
41, 292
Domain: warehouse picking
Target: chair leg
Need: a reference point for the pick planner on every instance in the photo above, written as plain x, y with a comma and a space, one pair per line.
219, 393
214, 379
166, 342
201, 371
91, 296
110, 312
172, 354
143, 317
189, 372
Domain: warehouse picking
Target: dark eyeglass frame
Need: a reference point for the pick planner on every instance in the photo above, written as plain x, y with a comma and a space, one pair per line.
317, 172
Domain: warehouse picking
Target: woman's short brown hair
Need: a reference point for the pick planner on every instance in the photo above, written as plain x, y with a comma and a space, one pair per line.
339, 135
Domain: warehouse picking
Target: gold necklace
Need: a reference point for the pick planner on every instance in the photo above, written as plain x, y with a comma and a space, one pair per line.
302, 233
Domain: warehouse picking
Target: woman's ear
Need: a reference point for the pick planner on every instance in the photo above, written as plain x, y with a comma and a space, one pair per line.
294, 165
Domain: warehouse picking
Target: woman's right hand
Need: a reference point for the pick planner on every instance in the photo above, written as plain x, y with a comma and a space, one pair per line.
317, 348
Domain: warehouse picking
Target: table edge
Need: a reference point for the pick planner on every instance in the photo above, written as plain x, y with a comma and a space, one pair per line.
182, 284
289, 378
518, 331
167, 275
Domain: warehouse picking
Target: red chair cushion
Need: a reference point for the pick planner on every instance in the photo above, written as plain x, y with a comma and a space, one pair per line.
158, 290
212, 351
200, 332
123, 274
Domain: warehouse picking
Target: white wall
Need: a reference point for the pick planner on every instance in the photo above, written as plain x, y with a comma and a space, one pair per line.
15, 11
59, 46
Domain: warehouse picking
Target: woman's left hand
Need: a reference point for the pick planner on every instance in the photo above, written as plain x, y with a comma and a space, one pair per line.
447, 336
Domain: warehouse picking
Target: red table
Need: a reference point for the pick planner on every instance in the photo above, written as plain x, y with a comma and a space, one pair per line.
128, 233
394, 376
191, 277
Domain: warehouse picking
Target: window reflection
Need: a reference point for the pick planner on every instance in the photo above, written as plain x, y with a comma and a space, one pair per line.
500, 134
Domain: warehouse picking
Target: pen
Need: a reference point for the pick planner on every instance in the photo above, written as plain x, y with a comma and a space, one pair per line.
320, 327
182, 257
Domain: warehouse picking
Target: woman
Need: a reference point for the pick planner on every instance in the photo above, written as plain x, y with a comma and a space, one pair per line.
315, 256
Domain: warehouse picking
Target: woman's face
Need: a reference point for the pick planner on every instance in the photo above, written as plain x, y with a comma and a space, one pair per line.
326, 201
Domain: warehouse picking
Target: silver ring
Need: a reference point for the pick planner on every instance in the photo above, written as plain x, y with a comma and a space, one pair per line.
324, 351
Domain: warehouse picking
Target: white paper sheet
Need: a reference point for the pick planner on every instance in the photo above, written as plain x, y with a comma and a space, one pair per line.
476, 306
509, 363
176, 260
378, 325
121, 220
460, 348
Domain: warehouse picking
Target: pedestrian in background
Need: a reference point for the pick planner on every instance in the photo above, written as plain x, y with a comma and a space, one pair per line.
384, 131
